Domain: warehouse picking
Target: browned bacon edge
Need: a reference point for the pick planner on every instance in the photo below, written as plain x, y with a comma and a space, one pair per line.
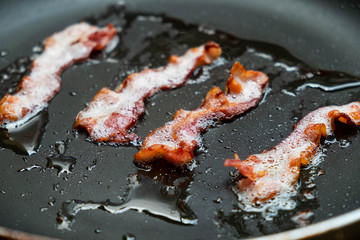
177, 140
28, 100
111, 114
276, 170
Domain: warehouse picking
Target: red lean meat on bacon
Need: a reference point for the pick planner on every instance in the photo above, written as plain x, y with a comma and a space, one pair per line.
73, 44
111, 114
276, 171
177, 140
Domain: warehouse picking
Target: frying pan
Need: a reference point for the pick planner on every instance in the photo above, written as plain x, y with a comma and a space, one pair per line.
310, 35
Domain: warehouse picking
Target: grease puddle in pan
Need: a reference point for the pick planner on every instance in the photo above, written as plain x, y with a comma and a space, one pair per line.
26, 138
64, 164
34, 166
145, 194
325, 81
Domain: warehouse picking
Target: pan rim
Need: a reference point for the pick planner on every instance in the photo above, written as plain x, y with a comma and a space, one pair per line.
316, 229
311, 230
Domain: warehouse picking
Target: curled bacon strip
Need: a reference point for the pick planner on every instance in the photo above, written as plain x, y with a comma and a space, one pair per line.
111, 114
177, 140
275, 171
73, 44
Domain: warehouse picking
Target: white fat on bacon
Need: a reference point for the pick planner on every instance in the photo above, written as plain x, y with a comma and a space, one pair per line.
111, 114
177, 140
73, 44
277, 170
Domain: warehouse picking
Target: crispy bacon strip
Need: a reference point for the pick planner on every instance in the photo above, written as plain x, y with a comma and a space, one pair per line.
275, 171
73, 44
111, 114
177, 140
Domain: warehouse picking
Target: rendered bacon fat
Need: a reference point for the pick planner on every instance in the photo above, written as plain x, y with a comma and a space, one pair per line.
73, 44
177, 140
276, 171
111, 114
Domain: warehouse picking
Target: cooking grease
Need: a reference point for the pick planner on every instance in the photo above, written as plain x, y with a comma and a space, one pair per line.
24, 138
150, 195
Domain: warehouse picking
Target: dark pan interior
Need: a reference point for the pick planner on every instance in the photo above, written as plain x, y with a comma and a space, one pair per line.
308, 35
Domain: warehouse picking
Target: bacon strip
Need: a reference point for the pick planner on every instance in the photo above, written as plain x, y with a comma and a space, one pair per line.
276, 171
73, 44
177, 140
111, 114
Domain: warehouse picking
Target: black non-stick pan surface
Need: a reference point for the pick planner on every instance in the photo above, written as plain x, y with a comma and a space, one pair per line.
62, 190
